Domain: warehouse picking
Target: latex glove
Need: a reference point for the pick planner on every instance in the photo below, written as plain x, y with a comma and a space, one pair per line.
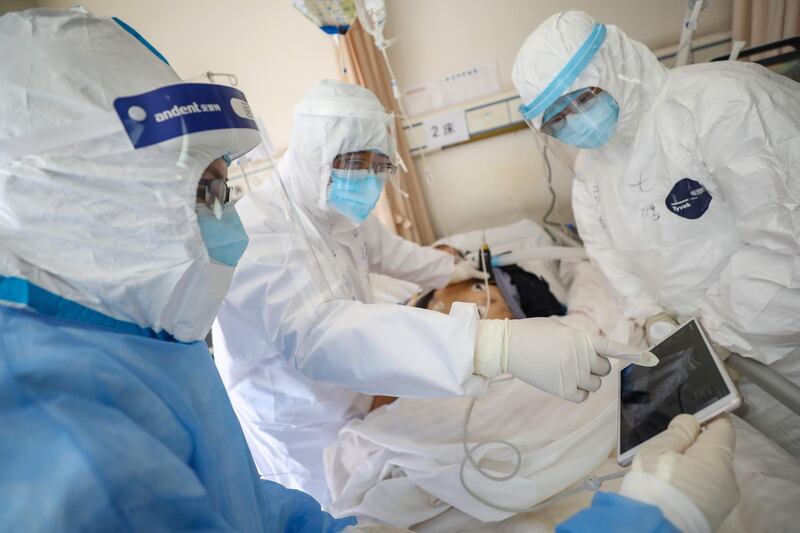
464, 270
658, 327
688, 474
552, 357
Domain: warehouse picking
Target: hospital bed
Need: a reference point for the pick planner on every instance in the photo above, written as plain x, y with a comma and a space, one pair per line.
401, 463
770, 381
781, 57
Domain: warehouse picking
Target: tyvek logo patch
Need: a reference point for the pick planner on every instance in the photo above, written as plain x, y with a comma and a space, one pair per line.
688, 199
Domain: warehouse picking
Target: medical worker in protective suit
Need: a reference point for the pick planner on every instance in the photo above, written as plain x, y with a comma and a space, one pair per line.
299, 343
686, 188
116, 249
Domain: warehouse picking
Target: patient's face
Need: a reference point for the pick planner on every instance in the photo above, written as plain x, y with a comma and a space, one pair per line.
470, 291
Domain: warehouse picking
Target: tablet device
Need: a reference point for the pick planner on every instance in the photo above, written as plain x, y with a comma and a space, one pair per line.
689, 378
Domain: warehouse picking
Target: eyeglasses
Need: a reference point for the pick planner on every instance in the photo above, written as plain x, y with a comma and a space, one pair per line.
212, 189
366, 160
555, 116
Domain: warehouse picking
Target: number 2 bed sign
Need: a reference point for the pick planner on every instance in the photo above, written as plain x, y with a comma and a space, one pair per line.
446, 129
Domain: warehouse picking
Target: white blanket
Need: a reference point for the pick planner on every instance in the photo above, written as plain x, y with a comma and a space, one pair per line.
768, 478
401, 464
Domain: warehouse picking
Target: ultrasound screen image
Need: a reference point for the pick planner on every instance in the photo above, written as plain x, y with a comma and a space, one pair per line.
686, 380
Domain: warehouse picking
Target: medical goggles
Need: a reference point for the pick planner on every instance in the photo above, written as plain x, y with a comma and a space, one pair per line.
358, 163
549, 100
187, 118
554, 118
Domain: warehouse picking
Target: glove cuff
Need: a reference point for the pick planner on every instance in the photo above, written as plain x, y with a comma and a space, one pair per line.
677, 507
658, 327
491, 348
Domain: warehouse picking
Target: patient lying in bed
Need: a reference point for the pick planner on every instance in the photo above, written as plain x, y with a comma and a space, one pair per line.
401, 463
528, 294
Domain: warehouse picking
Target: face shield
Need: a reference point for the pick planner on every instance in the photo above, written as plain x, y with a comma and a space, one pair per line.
342, 152
196, 128
143, 199
585, 118
186, 124
357, 180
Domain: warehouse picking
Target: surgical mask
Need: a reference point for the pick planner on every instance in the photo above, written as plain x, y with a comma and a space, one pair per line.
354, 193
590, 127
224, 237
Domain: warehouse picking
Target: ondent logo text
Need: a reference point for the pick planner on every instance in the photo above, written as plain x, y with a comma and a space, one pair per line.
180, 110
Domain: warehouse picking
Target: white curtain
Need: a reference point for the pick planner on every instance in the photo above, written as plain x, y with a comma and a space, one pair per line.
763, 21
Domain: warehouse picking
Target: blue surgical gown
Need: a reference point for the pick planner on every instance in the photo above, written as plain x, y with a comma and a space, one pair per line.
612, 513
105, 426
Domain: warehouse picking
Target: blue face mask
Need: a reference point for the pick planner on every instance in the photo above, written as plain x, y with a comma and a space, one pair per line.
593, 126
225, 239
354, 193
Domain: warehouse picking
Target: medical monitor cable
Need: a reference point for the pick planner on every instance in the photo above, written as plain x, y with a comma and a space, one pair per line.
566, 233
549, 181
566, 230
591, 483
553, 197
485, 268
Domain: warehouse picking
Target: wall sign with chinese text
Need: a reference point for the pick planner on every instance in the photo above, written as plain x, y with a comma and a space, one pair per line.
446, 129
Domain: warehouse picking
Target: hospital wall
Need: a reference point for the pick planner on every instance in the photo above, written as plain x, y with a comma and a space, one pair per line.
16, 5
276, 53
498, 180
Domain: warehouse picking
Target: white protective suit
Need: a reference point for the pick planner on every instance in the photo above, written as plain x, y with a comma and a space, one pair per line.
692, 206
293, 352
148, 258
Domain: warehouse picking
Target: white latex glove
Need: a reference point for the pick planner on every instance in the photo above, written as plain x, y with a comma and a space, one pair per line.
552, 357
658, 327
464, 270
687, 473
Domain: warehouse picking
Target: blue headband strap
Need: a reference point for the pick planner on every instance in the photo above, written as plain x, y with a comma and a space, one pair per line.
130, 29
568, 74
